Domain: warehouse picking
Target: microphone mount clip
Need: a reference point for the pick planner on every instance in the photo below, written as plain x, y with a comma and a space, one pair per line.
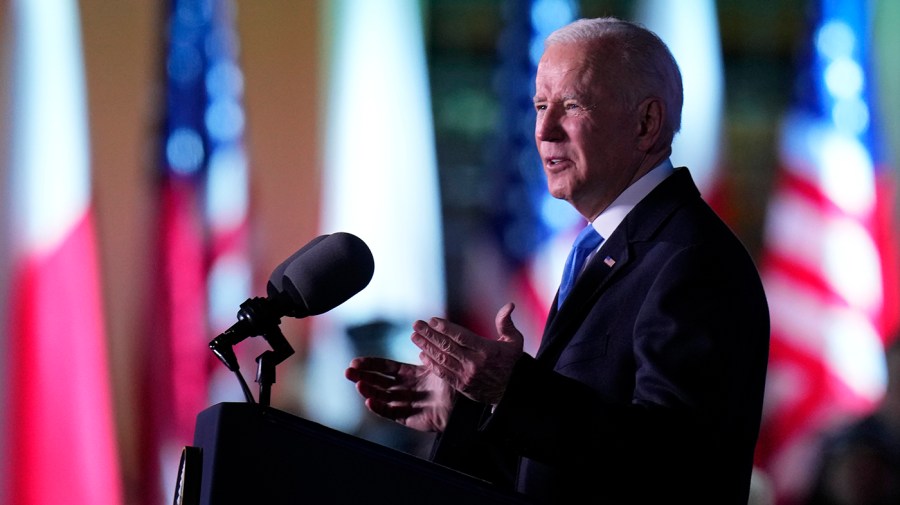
256, 317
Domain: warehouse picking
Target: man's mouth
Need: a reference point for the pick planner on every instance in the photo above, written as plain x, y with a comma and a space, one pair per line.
556, 163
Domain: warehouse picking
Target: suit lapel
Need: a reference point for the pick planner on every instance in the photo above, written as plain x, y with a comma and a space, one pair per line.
639, 225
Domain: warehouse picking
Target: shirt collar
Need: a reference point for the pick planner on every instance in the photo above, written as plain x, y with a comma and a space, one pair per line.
612, 216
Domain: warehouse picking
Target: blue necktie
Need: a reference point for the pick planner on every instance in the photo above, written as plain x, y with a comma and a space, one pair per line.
588, 240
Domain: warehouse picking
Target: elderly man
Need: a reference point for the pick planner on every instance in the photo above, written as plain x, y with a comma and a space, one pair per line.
648, 383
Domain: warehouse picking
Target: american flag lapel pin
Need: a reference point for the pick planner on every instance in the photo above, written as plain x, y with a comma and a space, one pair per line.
609, 261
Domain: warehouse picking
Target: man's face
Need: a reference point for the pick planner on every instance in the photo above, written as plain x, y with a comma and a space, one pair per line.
585, 135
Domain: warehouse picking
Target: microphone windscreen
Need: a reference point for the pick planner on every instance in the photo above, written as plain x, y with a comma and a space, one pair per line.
275, 286
328, 274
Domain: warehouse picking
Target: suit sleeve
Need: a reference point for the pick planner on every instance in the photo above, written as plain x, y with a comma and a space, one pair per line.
464, 446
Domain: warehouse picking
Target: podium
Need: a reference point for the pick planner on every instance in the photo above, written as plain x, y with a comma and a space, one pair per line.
245, 453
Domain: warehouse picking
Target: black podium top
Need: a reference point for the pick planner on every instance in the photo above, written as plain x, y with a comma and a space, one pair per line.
261, 455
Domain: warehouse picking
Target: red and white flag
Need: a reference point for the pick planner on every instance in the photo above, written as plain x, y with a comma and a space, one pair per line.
58, 415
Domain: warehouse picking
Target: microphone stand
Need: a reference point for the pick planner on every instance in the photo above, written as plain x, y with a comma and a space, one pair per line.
256, 317
266, 362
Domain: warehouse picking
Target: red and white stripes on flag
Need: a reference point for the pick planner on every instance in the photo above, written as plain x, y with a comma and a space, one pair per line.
59, 432
829, 263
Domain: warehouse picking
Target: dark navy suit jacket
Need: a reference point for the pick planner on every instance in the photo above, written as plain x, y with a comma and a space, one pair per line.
648, 383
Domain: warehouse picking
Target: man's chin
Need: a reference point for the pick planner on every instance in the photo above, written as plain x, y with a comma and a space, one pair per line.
559, 192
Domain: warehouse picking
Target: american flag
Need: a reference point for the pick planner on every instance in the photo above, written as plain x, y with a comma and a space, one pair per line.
829, 266
56, 419
202, 272
532, 231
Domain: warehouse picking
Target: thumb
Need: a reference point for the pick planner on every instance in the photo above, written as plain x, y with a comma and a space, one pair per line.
506, 329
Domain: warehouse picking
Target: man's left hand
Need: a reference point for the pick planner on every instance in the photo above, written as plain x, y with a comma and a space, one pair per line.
476, 366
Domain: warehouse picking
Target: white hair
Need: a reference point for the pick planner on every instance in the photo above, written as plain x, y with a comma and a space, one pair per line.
644, 66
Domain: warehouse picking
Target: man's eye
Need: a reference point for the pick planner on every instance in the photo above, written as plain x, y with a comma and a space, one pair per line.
572, 106
540, 107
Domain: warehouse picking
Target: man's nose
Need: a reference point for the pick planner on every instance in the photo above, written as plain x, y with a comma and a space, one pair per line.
547, 127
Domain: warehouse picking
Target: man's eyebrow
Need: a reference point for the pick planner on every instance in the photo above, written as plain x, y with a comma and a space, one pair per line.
569, 96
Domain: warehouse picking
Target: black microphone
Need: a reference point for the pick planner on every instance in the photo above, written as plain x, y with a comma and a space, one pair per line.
326, 275
321, 275
275, 280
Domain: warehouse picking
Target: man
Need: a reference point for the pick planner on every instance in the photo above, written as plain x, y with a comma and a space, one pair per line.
648, 383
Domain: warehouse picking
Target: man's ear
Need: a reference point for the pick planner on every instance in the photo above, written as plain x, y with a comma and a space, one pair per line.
650, 122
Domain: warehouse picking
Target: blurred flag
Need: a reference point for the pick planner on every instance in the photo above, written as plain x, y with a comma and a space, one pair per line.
59, 432
380, 183
829, 263
691, 30
531, 232
202, 274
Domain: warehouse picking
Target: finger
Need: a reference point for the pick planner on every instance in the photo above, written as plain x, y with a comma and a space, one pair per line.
445, 337
432, 342
352, 374
446, 357
380, 365
371, 391
448, 375
357, 372
456, 333
374, 378
398, 413
506, 329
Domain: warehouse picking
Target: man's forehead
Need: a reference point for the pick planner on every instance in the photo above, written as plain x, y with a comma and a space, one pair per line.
577, 57
570, 75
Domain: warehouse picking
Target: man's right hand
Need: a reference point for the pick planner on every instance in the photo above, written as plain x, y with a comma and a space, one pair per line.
404, 393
